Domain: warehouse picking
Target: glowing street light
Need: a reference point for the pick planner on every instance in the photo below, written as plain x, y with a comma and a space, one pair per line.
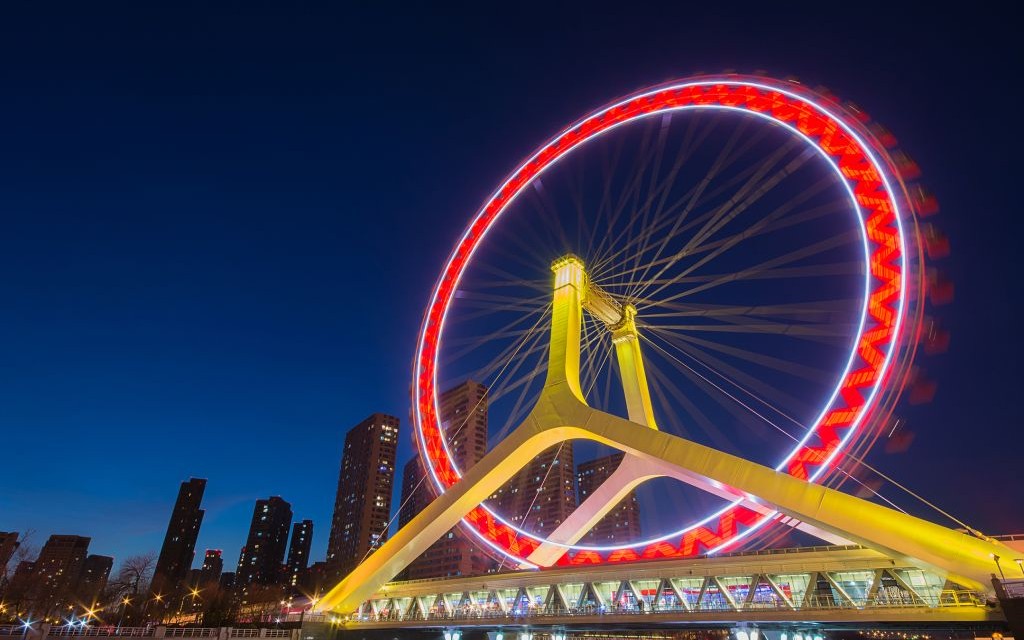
26, 624
998, 566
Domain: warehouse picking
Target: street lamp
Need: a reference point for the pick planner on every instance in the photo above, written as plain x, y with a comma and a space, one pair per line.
998, 566
157, 597
25, 626
125, 601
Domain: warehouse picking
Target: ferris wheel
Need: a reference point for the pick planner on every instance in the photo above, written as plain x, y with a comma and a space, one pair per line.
747, 267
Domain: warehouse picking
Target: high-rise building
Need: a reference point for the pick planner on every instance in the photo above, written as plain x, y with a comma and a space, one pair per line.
622, 523
542, 495
362, 506
8, 544
227, 581
20, 585
213, 567
57, 572
316, 579
264, 549
193, 579
416, 493
298, 550
179, 546
463, 414
93, 580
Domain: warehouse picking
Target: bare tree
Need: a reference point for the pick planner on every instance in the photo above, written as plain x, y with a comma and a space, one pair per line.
24, 551
135, 573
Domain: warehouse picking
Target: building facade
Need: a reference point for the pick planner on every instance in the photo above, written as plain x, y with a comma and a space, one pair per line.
298, 551
8, 545
94, 577
362, 505
463, 414
622, 523
263, 554
416, 493
56, 573
213, 567
179, 547
543, 494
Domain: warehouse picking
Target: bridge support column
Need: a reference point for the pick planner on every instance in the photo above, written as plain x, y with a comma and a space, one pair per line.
561, 414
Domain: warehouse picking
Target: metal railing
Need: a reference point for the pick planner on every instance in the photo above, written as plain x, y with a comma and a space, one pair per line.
948, 599
121, 632
65, 631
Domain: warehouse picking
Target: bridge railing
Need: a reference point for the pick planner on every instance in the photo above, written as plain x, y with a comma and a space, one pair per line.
41, 632
947, 599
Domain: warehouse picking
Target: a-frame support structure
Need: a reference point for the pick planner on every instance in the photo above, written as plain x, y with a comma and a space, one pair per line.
561, 414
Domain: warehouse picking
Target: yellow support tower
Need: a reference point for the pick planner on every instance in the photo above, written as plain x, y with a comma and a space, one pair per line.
561, 414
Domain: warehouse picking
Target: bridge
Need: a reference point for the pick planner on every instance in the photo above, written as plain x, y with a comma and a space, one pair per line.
835, 585
888, 565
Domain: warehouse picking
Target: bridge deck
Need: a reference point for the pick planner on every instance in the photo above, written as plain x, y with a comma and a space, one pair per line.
829, 584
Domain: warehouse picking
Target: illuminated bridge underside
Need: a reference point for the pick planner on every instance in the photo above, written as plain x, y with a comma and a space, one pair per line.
561, 414
843, 585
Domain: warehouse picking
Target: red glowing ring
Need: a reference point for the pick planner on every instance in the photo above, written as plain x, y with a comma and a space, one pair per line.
863, 166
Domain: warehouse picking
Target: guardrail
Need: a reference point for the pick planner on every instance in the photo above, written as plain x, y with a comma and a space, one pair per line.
948, 600
44, 631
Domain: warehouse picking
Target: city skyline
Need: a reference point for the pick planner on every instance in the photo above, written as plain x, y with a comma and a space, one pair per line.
236, 397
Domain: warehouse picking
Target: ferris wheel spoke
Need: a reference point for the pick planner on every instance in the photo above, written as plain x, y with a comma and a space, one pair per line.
801, 428
753, 387
715, 435
695, 199
755, 188
485, 372
690, 197
769, 268
575, 190
542, 201
595, 368
667, 415
658, 191
533, 285
476, 341
716, 249
470, 344
633, 186
483, 309
802, 371
728, 400
666, 218
498, 300
758, 185
771, 225
694, 195
755, 273
661, 194
520, 409
813, 311
602, 265
747, 325
520, 382
505, 278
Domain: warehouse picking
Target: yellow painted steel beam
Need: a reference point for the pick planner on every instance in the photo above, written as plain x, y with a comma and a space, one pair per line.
561, 414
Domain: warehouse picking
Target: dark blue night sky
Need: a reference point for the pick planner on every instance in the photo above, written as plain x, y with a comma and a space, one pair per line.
220, 225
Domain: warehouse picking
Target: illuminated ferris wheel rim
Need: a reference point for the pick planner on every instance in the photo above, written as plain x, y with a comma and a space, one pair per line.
802, 113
